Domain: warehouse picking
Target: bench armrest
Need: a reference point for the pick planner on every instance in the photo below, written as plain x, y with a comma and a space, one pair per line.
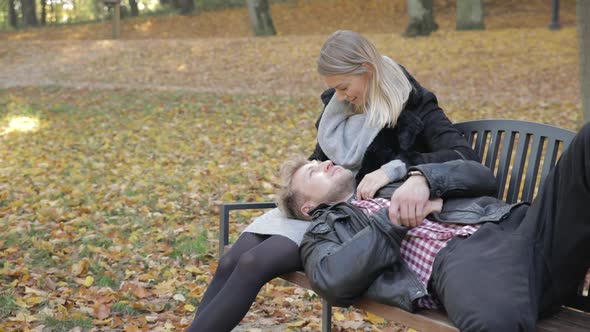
224, 210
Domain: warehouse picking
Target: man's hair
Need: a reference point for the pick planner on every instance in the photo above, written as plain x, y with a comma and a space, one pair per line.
345, 52
288, 199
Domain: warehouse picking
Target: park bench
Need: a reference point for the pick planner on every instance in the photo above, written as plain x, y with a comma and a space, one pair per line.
521, 154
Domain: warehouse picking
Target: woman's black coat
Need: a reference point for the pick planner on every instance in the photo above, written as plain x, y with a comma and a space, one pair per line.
422, 134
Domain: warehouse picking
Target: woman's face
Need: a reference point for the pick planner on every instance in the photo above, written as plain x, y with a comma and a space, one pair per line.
352, 88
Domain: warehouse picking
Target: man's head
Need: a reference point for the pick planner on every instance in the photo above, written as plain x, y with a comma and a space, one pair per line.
307, 184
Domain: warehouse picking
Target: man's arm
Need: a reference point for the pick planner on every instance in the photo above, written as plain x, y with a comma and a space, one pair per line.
457, 178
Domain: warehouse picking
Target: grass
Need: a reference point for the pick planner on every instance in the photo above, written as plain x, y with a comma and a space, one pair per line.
190, 247
66, 324
7, 305
123, 308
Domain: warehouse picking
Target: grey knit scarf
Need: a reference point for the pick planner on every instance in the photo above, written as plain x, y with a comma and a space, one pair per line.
344, 136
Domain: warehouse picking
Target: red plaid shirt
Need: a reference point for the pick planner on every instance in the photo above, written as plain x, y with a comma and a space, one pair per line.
421, 244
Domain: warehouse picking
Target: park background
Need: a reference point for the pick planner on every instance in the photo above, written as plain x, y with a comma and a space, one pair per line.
115, 154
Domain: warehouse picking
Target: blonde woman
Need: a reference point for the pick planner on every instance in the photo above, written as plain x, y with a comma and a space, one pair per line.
377, 121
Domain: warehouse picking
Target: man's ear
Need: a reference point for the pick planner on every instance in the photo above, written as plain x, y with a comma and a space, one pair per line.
306, 208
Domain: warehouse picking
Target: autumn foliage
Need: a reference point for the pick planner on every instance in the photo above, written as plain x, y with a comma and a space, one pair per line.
115, 155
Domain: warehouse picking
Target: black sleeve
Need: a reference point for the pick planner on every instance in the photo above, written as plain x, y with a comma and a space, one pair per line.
443, 140
458, 178
318, 153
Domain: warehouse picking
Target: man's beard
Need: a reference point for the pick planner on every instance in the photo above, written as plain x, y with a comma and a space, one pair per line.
343, 188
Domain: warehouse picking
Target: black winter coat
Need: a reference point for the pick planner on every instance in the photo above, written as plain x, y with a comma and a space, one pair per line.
423, 134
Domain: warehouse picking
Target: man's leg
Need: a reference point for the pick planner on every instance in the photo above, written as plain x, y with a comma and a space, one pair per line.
484, 281
559, 219
503, 276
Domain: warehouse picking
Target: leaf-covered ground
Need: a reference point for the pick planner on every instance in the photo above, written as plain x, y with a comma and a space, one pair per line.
306, 17
114, 155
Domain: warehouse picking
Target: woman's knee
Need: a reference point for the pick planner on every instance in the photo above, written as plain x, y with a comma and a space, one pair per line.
262, 265
251, 261
227, 263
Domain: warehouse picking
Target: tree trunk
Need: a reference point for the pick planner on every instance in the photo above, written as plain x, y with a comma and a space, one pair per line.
53, 12
133, 7
260, 19
583, 22
421, 22
43, 12
186, 6
29, 13
470, 15
13, 17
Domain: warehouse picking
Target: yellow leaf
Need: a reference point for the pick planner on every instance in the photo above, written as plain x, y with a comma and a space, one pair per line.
80, 268
189, 307
411, 330
23, 317
374, 319
34, 300
165, 288
193, 269
88, 281
33, 291
19, 302
179, 297
297, 324
339, 316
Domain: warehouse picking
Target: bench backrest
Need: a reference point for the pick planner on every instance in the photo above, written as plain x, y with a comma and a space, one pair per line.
520, 153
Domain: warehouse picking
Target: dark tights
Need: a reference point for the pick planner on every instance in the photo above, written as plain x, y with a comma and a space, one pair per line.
252, 261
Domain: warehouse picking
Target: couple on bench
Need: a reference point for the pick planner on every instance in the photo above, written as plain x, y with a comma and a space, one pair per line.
406, 217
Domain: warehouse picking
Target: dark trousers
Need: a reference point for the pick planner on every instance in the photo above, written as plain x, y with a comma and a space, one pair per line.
508, 275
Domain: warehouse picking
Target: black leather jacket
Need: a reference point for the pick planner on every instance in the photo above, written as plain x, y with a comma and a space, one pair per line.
347, 254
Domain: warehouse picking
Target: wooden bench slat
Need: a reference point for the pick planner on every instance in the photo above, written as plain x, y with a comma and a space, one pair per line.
575, 317
425, 320
567, 319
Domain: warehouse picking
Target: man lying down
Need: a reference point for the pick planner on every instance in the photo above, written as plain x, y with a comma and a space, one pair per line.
492, 266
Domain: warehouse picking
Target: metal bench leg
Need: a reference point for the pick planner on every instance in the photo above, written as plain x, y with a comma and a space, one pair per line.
326, 316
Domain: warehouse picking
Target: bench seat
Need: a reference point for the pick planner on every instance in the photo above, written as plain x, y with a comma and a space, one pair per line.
567, 319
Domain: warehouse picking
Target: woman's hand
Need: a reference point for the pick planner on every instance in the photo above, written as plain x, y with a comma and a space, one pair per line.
410, 204
371, 183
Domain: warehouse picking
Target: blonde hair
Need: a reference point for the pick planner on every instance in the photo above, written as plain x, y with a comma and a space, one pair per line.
345, 52
288, 199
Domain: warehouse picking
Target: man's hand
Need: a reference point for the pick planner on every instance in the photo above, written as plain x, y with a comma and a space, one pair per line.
371, 183
409, 203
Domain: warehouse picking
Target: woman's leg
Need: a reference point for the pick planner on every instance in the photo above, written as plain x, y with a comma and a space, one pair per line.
227, 264
269, 259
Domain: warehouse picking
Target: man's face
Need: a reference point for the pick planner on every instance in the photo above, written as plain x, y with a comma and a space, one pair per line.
322, 182
352, 88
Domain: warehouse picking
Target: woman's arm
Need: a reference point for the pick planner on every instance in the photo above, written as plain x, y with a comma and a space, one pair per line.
443, 140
